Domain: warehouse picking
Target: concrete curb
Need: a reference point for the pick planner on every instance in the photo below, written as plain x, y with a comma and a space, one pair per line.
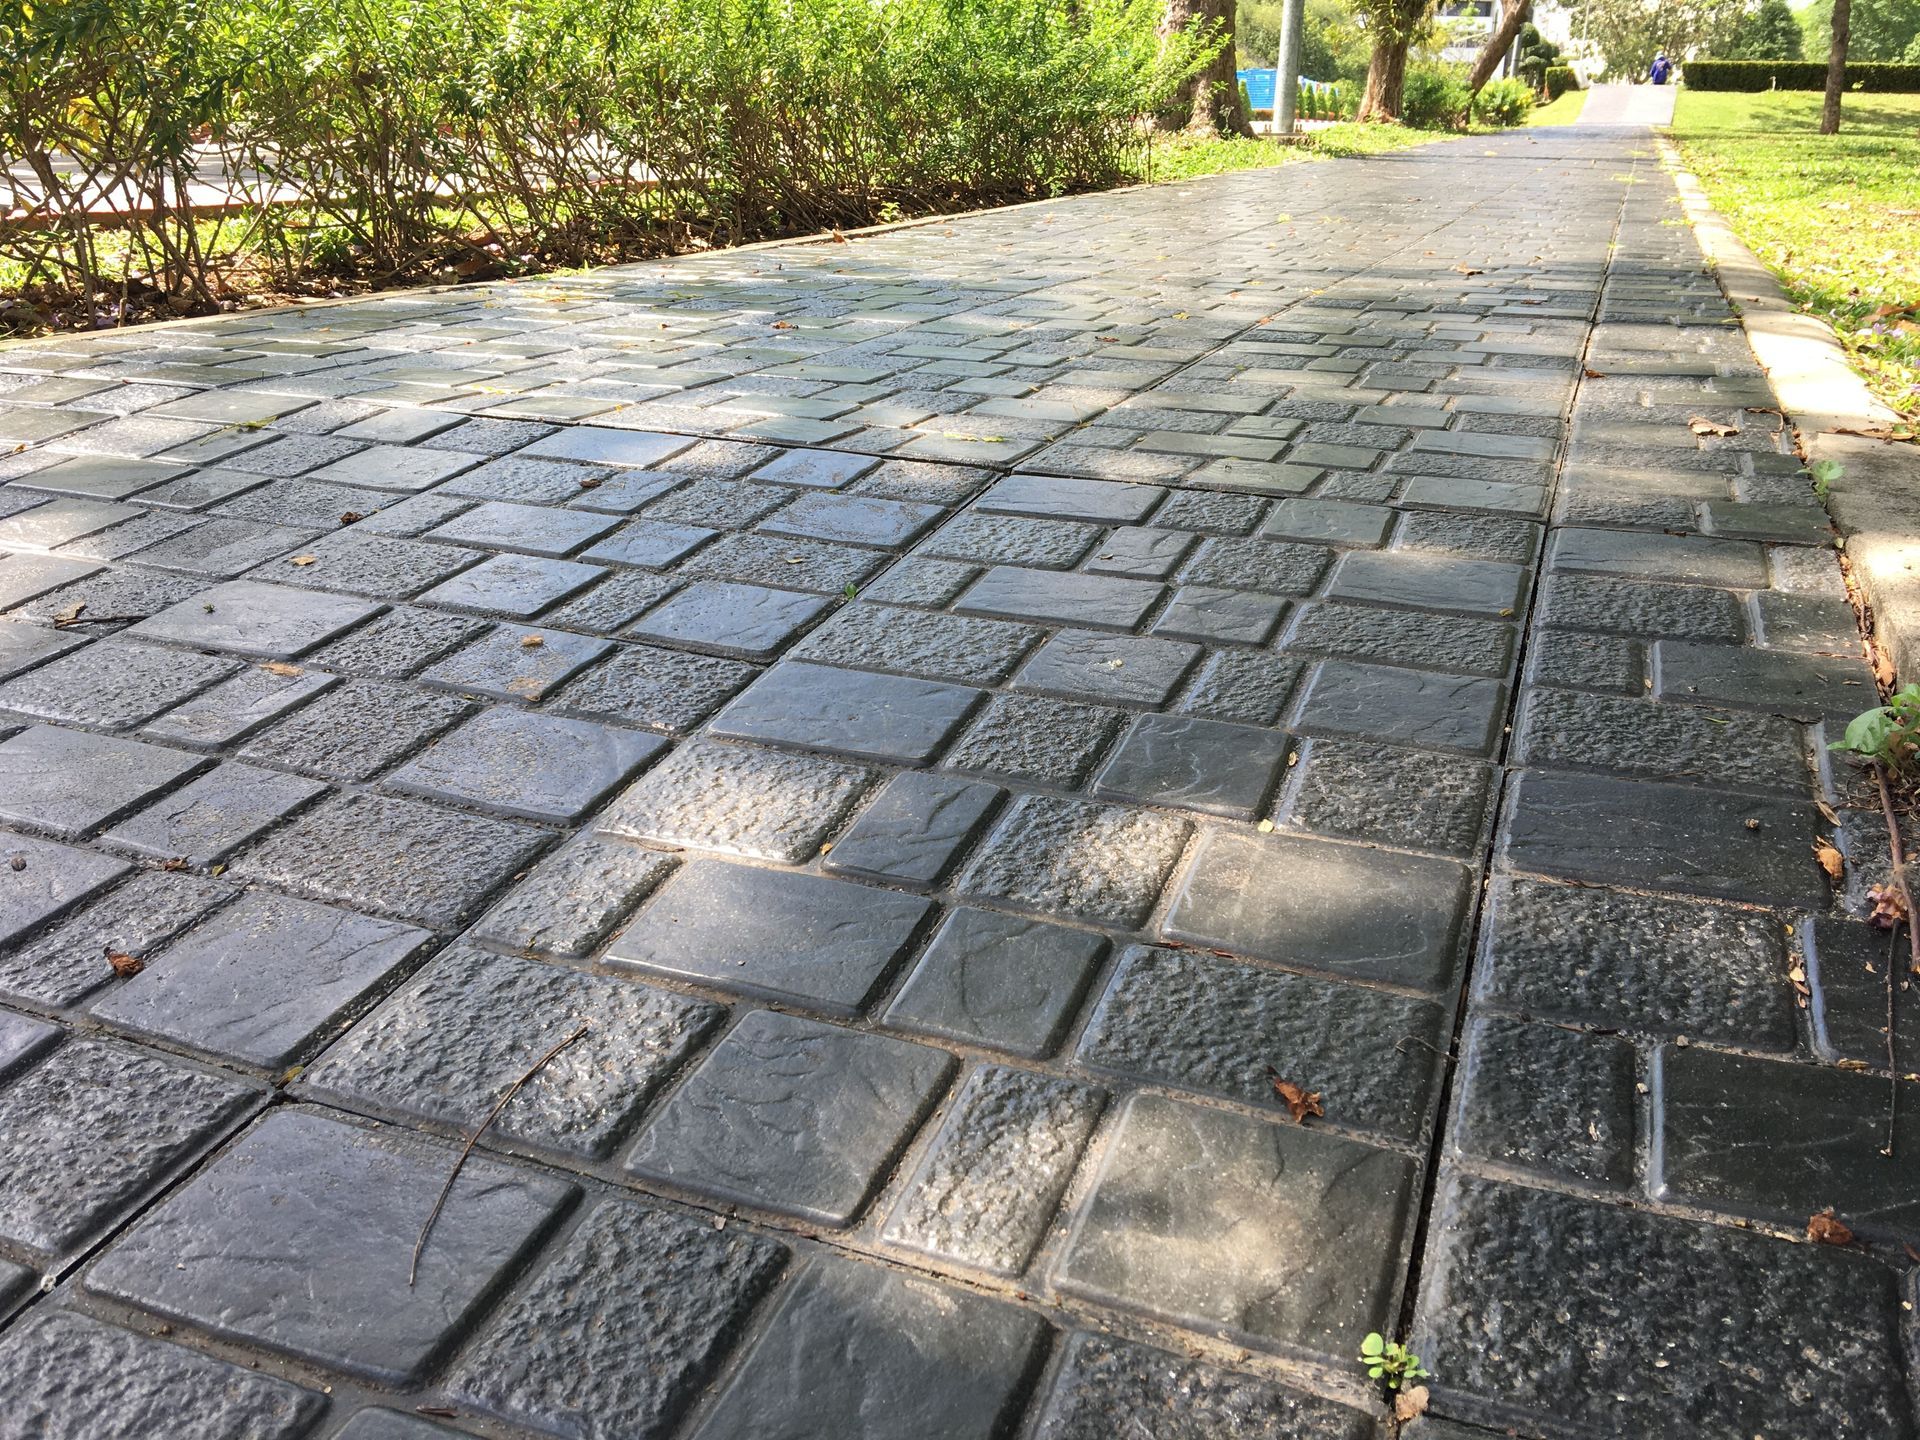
1875, 502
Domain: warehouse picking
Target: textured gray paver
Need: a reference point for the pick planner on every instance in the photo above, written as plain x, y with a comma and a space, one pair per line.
1346, 668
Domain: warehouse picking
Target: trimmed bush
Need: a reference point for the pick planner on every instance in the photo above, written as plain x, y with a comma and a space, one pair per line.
1752, 76
1559, 80
1436, 97
1503, 102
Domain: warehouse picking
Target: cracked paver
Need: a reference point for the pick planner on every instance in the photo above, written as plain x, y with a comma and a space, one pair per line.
970, 709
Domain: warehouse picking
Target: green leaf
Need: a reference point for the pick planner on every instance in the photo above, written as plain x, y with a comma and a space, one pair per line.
1867, 734
1826, 471
1374, 1344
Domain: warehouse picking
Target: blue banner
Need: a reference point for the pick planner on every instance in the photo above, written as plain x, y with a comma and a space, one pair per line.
1259, 85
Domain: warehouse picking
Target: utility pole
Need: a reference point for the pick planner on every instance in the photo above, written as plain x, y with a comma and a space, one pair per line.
1286, 73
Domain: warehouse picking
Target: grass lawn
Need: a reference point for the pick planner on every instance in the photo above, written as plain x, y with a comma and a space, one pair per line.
1836, 217
1184, 157
1564, 111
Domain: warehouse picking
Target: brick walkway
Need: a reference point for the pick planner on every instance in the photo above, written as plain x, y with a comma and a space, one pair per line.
918, 734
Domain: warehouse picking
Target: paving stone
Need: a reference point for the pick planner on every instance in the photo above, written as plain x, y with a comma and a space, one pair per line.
575, 1357
853, 519
1211, 512
1520, 1310
515, 662
1243, 685
22, 577
1060, 598
1000, 981
540, 482
986, 1191
712, 504
536, 529
917, 581
1682, 838
391, 1425
739, 800
1203, 613
1447, 712
113, 684
1360, 914
1127, 669
1316, 1220
574, 898
773, 933
1100, 501
1037, 739
1237, 1021
71, 783
66, 1374
447, 1048
62, 964
396, 467
222, 549
661, 689
400, 643
793, 1116
749, 622
1550, 1100
1329, 522
518, 586
879, 717
1807, 687
223, 1254
1642, 962
1271, 567
817, 469
1195, 764
21, 1040
1590, 662
90, 1132
400, 858
538, 767
1012, 540
1140, 551
102, 477
1405, 637
1631, 607
1778, 1141
246, 617
58, 522
209, 818
1690, 559
598, 445
914, 830
1107, 1387
1561, 728
356, 729
773, 562
354, 563
1103, 863
235, 708
1406, 798
941, 647
648, 543
887, 1356
1847, 966
263, 981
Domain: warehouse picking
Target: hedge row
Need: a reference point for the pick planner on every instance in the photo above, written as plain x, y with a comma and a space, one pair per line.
415, 136
1884, 77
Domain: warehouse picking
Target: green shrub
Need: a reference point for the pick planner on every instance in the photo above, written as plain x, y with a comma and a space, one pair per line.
432, 137
1436, 97
1884, 77
1503, 102
1559, 80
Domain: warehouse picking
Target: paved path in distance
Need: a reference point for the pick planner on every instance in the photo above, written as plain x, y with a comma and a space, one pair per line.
916, 756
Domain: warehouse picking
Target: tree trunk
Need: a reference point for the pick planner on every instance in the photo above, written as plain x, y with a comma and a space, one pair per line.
1211, 99
1386, 79
1836, 68
1498, 43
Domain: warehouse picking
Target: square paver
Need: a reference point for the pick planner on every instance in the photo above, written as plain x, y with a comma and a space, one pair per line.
793, 1116
540, 767
235, 708
535, 529
1191, 763
300, 1239
750, 622
877, 717
663, 690
207, 819
263, 981
1317, 1226
516, 662
1104, 863
113, 684
70, 782
516, 586
247, 617
1382, 702
739, 800
769, 932
1055, 597
447, 1048
914, 829
1122, 669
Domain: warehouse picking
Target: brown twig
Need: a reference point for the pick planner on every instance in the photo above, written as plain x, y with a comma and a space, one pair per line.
413, 1270
1893, 1070
1898, 852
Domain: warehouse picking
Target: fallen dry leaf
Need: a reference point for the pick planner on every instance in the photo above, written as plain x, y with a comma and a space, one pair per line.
1300, 1102
1897, 435
351, 517
70, 614
1701, 425
1889, 906
1823, 1229
177, 863
304, 559
531, 642
1831, 860
1468, 270
1593, 374
124, 965
1410, 1404
281, 667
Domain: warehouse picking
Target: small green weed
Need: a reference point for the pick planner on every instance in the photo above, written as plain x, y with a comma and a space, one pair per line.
1889, 733
1391, 1362
1824, 473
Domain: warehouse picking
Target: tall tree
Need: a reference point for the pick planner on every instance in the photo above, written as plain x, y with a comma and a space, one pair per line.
1770, 33
1836, 68
1393, 25
1630, 32
1498, 43
1210, 100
